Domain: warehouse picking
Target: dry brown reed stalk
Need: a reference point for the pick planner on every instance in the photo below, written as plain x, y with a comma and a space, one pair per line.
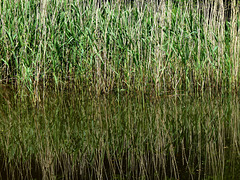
234, 46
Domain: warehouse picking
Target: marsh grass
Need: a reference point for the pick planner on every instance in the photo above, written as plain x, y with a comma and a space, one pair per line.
146, 46
80, 137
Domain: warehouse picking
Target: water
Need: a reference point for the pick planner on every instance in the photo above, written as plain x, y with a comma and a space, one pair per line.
74, 135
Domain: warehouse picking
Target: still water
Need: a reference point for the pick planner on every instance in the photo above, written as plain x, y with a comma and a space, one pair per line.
75, 135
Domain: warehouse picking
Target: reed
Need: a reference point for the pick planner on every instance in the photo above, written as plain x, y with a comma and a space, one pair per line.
155, 46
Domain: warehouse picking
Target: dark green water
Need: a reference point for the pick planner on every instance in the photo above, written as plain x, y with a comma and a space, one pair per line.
73, 135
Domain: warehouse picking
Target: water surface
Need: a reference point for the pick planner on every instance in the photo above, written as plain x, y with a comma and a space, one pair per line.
74, 135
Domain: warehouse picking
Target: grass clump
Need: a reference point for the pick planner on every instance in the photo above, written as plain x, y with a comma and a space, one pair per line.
139, 45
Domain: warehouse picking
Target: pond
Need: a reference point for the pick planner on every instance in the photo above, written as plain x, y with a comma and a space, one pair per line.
75, 135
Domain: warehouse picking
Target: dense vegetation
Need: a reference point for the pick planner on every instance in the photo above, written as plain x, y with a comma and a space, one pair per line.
155, 46
148, 46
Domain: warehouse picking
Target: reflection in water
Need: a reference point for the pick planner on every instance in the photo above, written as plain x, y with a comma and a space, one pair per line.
74, 136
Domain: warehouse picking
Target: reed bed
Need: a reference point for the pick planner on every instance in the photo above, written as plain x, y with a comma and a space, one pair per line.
120, 137
147, 46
